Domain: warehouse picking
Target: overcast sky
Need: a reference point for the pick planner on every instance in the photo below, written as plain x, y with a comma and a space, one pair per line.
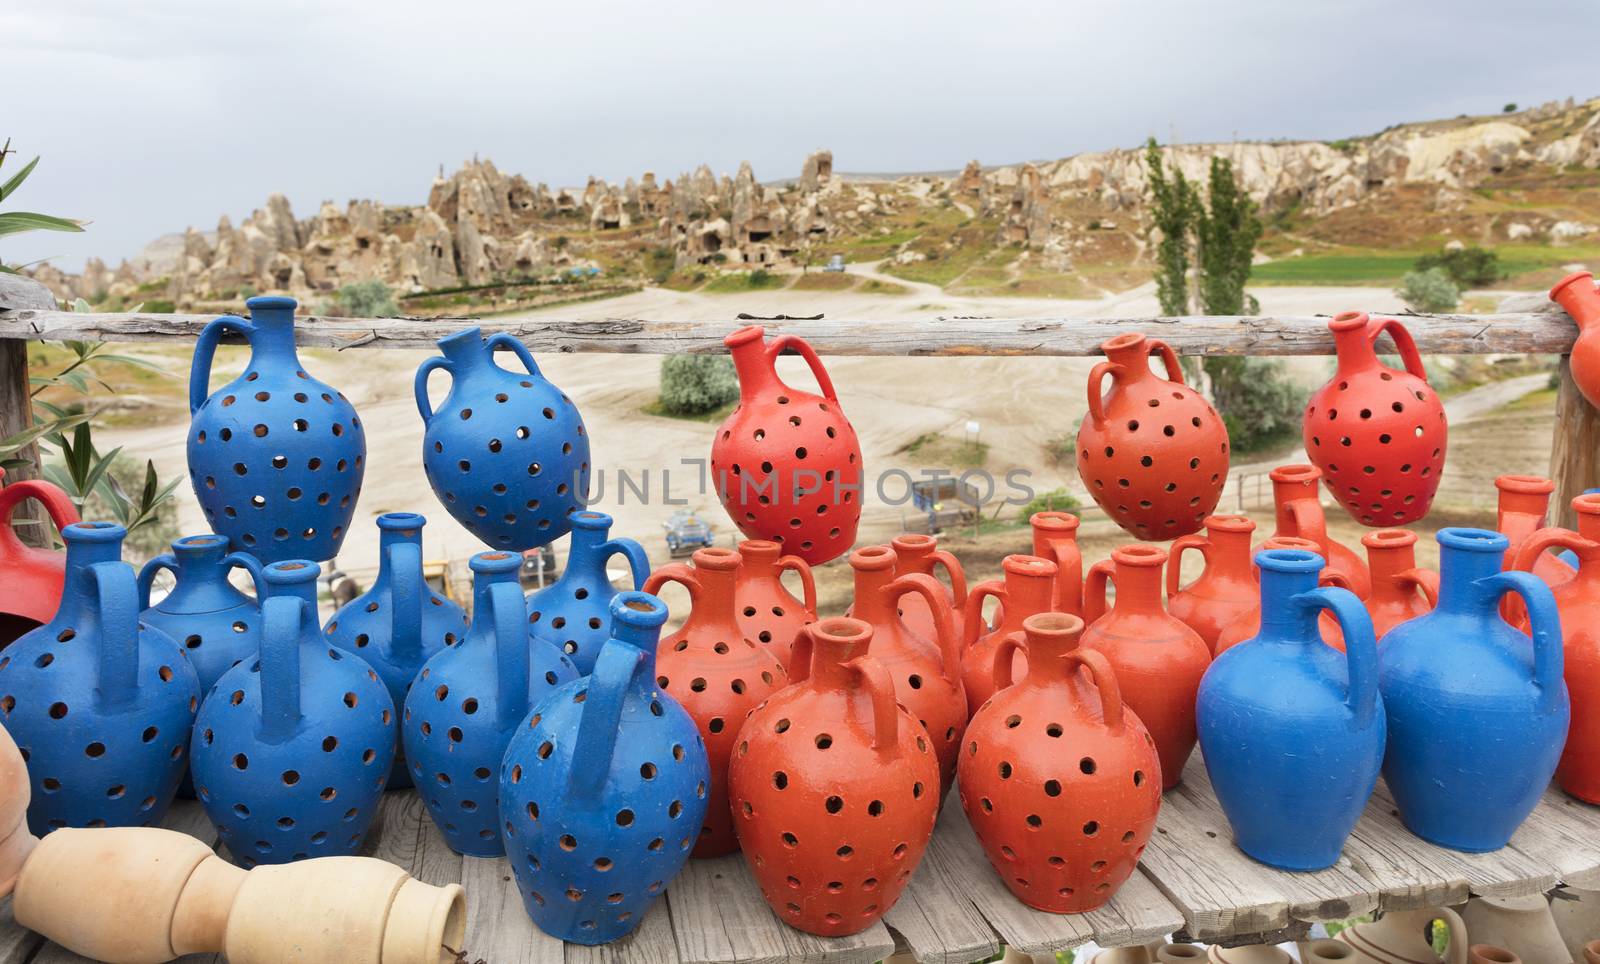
157, 114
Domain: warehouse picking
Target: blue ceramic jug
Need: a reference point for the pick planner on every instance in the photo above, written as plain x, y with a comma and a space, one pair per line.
468, 700
99, 703
1292, 730
506, 453
574, 612
291, 750
275, 456
216, 624
1477, 715
399, 623
603, 793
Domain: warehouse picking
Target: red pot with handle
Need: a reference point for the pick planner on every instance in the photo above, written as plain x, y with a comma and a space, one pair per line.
1028, 586
1247, 624
30, 578
1401, 589
786, 461
1377, 433
768, 612
917, 553
1055, 537
1226, 587
1576, 293
1522, 506
1152, 451
1298, 511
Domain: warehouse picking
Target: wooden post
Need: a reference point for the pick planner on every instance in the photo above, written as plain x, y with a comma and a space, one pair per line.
1575, 452
16, 402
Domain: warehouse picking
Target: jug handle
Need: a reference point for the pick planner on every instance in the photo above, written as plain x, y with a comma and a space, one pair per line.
778, 345
1105, 680
205, 347
1548, 538
1004, 659
1548, 662
1169, 358
1068, 560
117, 597
602, 713
972, 621
249, 564
510, 611
62, 512
147, 576
1094, 590
1097, 374
508, 341
1360, 645
808, 582
638, 561
408, 595
875, 679
420, 385
682, 575
1425, 581
281, 617
943, 617
1404, 344
952, 568
1314, 529
1175, 559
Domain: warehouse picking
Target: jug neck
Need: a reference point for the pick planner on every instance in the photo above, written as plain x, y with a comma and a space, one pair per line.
1523, 501
1131, 353
1353, 351
1465, 557
396, 529
1030, 588
589, 531
1292, 486
200, 557
759, 558
717, 571
1137, 572
273, 338
757, 376
1587, 507
636, 620
1050, 637
834, 643
913, 554
91, 543
294, 579
483, 581
1230, 541
1286, 573
874, 570
1390, 552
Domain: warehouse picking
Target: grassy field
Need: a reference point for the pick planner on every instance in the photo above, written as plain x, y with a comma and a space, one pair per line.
822, 281
742, 281
1357, 266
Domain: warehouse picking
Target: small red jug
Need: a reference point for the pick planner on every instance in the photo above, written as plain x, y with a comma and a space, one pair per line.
1055, 537
926, 670
1377, 433
1576, 293
1027, 587
1158, 659
1298, 509
30, 578
1226, 587
768, 611
786, 462
715, 672
1401, 590
834, 787
1248, 623
1152, 451
917, 553
1060, 779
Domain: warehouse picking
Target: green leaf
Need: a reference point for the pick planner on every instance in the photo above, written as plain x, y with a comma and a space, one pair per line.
101, 467
79, 304
136, 362
28, 436
149, 483
15, 222
15, 182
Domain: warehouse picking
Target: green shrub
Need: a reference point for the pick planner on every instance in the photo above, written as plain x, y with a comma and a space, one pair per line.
366, 299
760, 278
1260, 407
1056, 500
1472, 267
696, 384
1430, 290
160, 306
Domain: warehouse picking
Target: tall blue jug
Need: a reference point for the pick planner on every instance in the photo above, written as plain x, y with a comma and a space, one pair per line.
275, 456
506, 452
1477, 713
1292, 730
399, 623
291, 750
99, 703
216, 624
604, 791
574, 612
469, 699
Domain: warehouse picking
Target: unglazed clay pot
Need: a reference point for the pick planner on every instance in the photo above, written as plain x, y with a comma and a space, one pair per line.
1059, 780
604, 791
1159, 661
1377, 433
1248, 954
1248, 623
1055, 537
1490, 954
276, 457
30, 578
574, 612
1027, 587
506, 452
926, 670
1325, 951
786, 462
1576, 293
1523, 926
1402, 935
1282, 690
1152, 451
917, 553
1225, 588
216, 624
1591, 952
834, 784
1298, 509
1460, 679
768, 611
1401, 590
1523, 504
716, 673
1577, 914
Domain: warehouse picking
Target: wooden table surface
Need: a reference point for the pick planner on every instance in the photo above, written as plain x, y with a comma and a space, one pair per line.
1192, 879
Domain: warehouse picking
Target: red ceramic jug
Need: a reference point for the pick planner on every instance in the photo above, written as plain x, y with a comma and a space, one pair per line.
1227, 585
1158, 659
1060, 778
1055, 537
768, 611
926, 670
1400, 589
1576, 293
1377, 433
786, 462
1298, 509
1248, 622
715, 672
1027, 587
917, 553
30, 578
1152, 451
1578, 600
834, 787
1523, 504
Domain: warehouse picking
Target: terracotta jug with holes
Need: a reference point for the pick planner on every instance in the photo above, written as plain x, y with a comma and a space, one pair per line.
1402, 935
786, 463
1377, 433
1248, 623
1152, 451
834, 786
1225, 588
1298, 509
30, 578
1576, 293
1060, 781
573, 613
1055, 537
715, 672
1523, 504
1027, 586
1401, 590
1517, 927
918, 553
1158, 659
768, 611
926, 670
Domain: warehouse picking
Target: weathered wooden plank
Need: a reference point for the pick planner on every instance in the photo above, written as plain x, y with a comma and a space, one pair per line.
1575, 451
651, 943
17, 943
718, 914
498, 927
934, 920
873, 944
1563, 834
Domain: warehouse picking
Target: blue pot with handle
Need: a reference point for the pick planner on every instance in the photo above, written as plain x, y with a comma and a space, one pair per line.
506, 452
1477, 714
275, 456
99, 702
216, 624
399, 623
574, 612
469, 699
604, 790
291, 750
1291, 729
